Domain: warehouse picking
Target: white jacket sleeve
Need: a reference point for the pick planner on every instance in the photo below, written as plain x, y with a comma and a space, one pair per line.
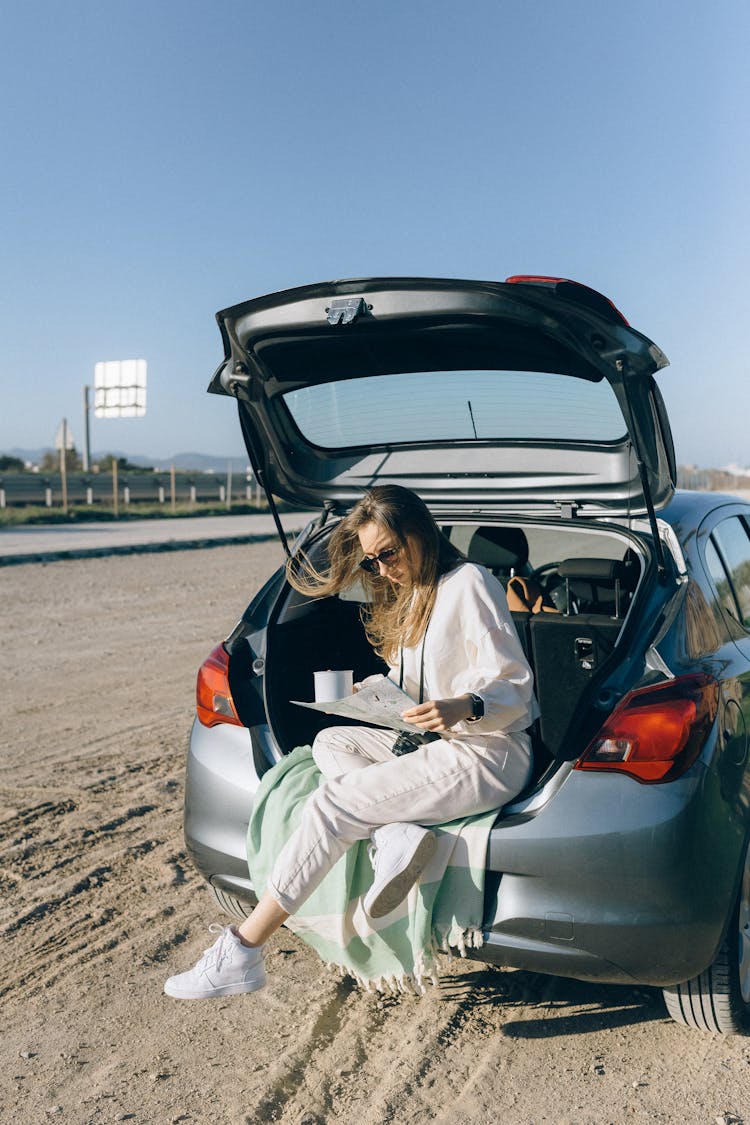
494, 665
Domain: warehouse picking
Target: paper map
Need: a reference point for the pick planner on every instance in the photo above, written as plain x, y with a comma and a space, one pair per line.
378, 702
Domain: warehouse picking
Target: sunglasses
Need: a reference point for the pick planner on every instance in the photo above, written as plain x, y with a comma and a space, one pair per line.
386, 557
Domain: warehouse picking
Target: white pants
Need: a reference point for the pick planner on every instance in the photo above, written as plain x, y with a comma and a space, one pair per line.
366, 786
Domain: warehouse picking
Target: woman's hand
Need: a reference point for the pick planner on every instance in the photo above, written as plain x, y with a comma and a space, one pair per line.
439, 714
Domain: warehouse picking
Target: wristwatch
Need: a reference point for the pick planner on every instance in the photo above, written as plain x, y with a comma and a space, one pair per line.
477, 708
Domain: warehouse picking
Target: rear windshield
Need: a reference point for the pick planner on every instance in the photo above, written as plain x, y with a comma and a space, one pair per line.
426, 406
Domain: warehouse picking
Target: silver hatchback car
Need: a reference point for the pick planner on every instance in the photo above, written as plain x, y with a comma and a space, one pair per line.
526, 415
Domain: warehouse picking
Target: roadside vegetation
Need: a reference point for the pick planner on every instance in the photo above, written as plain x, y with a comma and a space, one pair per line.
50, 463
88, 513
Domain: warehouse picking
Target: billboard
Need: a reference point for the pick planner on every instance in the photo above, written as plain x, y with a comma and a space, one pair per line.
120, 388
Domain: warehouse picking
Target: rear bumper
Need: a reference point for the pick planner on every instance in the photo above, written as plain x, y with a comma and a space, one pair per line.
614, 881
607, 881
550, 958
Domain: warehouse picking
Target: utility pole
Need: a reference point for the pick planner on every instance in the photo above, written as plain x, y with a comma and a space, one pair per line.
86, 441
63, 465
114, 487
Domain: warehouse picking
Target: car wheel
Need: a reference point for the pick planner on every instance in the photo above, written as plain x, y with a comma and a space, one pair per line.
231, 905
719, 999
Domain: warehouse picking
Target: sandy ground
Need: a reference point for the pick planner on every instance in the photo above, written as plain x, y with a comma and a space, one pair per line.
100, 904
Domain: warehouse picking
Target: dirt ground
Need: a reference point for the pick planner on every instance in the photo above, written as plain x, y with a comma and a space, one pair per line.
100, 904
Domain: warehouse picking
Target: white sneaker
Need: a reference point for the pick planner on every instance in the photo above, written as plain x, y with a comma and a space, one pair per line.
227, 968
399, 854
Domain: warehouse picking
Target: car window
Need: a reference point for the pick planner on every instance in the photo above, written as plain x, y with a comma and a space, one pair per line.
725, 599
423, 406
720, 580
732, 546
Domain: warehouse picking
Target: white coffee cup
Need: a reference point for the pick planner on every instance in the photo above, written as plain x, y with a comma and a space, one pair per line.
330, 686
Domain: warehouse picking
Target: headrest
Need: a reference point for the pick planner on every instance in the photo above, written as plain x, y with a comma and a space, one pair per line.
500, 547
595, 570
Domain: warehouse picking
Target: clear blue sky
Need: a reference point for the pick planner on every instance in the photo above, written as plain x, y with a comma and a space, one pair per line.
165, 159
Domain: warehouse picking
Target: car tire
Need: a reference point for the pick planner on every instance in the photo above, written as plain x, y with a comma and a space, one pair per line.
718, 1000
230, 905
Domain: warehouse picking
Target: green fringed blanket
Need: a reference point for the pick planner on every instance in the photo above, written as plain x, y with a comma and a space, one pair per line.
398, 952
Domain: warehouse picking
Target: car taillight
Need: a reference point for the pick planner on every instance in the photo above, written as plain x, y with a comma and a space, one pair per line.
656, 733
213, 697
568, 288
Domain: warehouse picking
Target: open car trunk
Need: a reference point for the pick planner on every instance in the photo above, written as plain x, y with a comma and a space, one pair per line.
535, 395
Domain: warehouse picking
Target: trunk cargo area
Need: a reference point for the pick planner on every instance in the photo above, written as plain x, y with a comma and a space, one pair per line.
589, 577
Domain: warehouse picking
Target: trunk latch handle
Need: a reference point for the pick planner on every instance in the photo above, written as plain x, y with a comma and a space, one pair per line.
345, 310
584, 652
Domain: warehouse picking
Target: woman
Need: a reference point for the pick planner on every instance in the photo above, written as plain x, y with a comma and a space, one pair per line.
443, 627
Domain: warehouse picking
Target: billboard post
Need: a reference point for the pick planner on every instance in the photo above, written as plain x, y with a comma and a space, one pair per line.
86, 431
115, 491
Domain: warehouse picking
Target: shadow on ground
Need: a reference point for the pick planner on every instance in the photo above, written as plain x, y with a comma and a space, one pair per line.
564, 1006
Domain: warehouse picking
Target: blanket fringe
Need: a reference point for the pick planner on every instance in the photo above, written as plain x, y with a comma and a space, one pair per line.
471, 938
394, 984
424, 972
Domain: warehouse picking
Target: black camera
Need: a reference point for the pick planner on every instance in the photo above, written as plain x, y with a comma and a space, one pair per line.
407, 743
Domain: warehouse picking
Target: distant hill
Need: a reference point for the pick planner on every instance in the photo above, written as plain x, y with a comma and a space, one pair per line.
187, 462
196, 462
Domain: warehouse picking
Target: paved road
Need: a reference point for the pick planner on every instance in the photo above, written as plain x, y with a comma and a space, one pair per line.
50, 542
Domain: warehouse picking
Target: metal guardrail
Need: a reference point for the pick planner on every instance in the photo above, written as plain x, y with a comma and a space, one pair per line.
45, 489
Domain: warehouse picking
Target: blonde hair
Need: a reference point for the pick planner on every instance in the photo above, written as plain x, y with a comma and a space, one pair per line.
395, 615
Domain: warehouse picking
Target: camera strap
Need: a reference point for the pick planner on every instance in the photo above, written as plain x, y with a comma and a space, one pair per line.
421, 665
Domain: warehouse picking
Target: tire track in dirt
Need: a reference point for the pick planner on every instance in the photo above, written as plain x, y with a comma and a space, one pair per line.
79, 841
337, 1073
304, 1066
424, 1028
74, 862
84, 914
